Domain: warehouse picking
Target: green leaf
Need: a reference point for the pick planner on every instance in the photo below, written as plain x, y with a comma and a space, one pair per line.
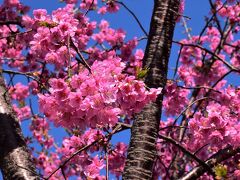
220, 171
21, 104
47, 24
141, 73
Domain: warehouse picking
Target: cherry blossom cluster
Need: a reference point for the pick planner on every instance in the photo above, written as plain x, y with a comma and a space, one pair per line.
18, 93
109, 35
191, 71
48, 163
89, 165
84, 163
11, 49
176, 99
53, 34
40, 130
22, 112
97, 98
229, 10
117, 158
216, 129
110, 6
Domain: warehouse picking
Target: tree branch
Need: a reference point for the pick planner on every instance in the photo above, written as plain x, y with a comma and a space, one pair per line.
220, 156
186, 152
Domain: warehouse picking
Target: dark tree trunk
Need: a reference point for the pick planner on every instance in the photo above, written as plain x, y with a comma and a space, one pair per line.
15, 160
142, 148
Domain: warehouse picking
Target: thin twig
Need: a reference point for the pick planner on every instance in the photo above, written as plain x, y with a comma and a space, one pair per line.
208, 22
197, 151
63, 173
183, 111
226, 74
119, 127
185, 151
16, 34
214, 10
179, 55
83, 61
89, 8
142, 38
166, 169
200, 87
209, 52
69, 56
168, 127
186, 28
73, 155
107, 163
134, 16
27, 74
11, 23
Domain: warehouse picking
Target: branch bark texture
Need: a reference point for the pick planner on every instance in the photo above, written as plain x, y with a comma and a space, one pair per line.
142, 148
15, 159
220, 156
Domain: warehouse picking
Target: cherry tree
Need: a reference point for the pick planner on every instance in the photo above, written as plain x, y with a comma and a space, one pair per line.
87, 79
